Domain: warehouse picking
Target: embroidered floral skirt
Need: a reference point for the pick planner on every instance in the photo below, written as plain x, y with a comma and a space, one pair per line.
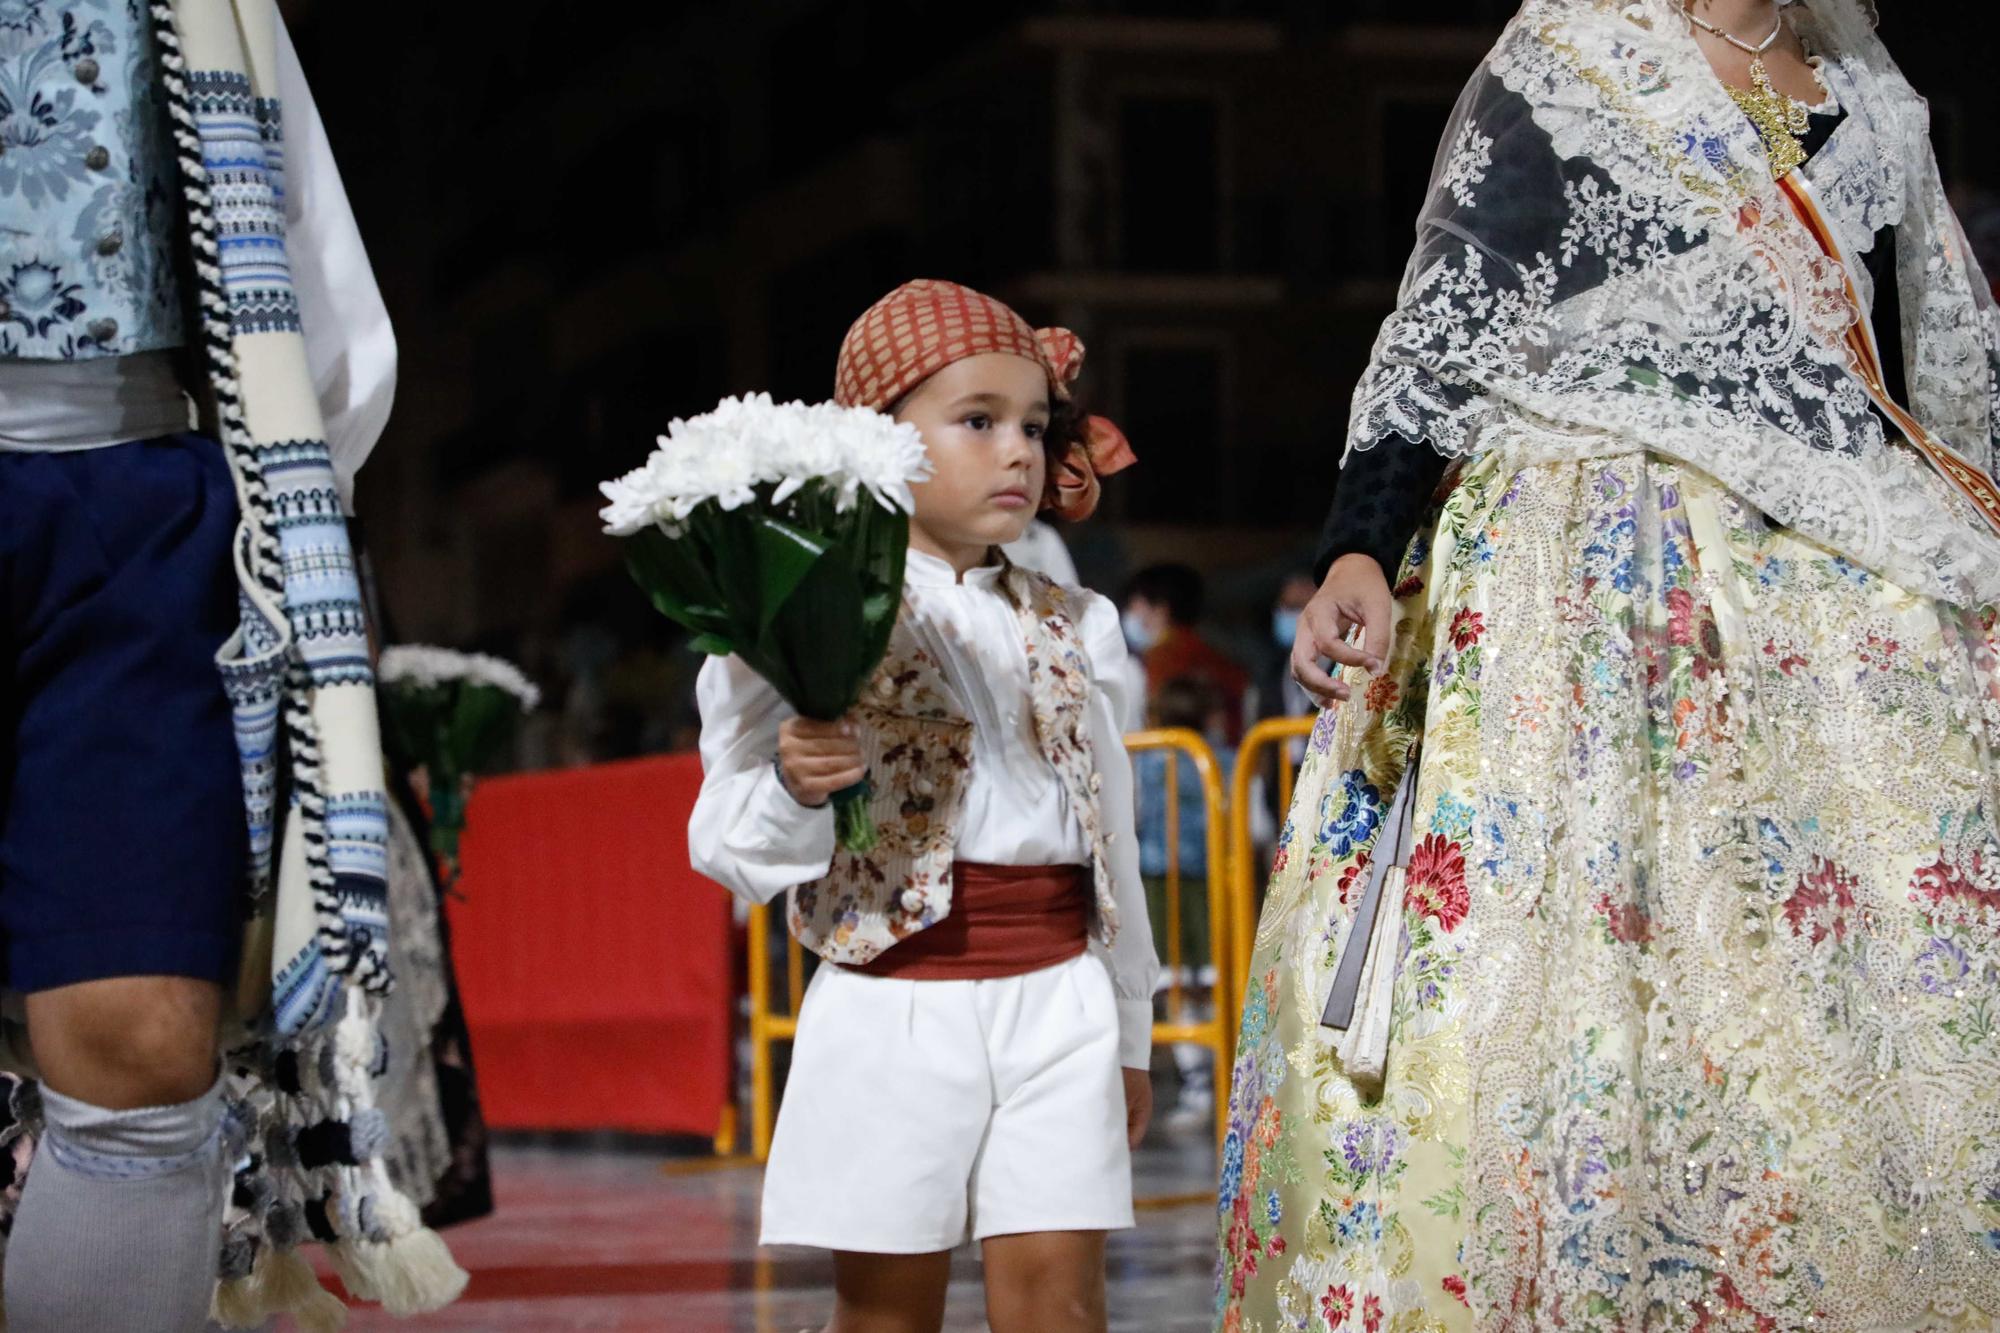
1697, 1024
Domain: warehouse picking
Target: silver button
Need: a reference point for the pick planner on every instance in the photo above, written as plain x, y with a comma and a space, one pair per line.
103, 330
85, 70
924, 787
912, 901
98, 158
111, 245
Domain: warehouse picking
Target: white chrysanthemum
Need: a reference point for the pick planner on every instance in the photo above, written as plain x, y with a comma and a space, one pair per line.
882, 454
724, 455
802, 451
632, 501
422, 665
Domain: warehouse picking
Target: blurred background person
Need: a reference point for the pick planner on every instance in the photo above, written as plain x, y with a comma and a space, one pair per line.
1279, 694
1161, 612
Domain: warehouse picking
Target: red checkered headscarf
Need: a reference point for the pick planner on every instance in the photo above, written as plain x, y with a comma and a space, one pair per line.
923, 326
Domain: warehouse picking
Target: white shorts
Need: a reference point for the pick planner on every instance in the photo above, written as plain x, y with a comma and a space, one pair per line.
919, 1114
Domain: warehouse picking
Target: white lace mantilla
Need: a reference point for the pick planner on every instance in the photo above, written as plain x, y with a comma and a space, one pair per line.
1604, 265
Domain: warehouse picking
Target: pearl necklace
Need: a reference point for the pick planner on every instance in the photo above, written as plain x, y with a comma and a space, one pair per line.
1756, 53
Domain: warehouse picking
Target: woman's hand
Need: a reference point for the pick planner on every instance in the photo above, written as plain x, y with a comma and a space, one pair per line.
1138, 1104
817, 759
1354, 596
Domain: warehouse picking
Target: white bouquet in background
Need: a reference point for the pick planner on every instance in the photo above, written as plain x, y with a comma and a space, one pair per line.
777, 532
451, 714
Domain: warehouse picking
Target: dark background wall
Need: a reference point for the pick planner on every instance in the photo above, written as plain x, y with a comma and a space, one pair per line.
587, 220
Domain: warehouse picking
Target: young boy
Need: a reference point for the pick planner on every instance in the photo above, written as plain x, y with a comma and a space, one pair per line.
972, 1060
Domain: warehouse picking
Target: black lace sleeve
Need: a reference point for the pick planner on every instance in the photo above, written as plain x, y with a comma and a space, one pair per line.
1384, 489
1380, 497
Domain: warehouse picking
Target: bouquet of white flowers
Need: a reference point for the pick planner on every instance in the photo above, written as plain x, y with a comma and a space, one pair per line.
451, 714
777, 532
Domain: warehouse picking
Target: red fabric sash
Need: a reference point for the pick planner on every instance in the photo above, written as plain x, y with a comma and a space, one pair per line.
1005, 921
1964, 476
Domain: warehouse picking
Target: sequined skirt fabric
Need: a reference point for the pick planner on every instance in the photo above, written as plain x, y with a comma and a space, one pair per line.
1697, 1023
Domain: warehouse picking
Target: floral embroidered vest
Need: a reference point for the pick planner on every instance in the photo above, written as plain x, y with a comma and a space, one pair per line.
89, 195
917, 742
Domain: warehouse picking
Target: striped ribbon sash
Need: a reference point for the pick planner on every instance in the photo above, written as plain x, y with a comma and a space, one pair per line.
1865, 359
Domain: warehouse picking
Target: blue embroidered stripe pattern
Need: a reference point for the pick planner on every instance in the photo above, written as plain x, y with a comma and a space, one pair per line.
252, 678
317, 644
243, 152
330, 637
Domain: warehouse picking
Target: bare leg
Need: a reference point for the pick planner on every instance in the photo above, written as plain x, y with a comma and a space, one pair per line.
889, 1293
127, 1042
1046, 1282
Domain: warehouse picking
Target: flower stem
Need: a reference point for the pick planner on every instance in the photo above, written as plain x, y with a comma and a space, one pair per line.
447, 823
854, 825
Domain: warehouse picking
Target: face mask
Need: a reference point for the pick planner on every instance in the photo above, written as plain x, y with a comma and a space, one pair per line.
1140, 635
1284, 626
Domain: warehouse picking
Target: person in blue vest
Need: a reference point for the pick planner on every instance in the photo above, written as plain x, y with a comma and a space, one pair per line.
124, 839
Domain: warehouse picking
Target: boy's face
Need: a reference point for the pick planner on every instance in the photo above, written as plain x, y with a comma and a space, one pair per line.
983, 421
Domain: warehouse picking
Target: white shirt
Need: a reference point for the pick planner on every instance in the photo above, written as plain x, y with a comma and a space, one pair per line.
1042, 549
350, 348
748, 834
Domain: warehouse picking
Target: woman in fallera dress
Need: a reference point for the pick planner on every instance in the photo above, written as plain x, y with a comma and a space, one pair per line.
1658, 594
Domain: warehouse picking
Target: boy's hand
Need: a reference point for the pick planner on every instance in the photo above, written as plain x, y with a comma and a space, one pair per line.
1138, 1104
1355, 596
817, 759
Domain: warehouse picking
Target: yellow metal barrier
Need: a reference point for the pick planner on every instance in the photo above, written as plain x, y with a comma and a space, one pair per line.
1217, 1032
1272, 737
769, 1026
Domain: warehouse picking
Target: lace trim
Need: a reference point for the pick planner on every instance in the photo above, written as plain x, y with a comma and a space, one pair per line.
1670, 298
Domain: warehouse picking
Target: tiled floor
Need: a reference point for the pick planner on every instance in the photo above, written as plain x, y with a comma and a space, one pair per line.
627, 1241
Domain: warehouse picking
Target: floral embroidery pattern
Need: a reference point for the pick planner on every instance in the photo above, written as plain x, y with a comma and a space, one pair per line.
1348, 818
39, 298
1381, 694
1819, 906
1719, 887
1471, 154
1437, 881
88, 184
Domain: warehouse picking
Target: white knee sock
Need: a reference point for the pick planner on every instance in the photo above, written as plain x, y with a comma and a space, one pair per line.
120, 1223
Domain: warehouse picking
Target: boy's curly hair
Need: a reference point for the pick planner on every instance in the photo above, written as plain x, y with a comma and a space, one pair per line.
1069, 428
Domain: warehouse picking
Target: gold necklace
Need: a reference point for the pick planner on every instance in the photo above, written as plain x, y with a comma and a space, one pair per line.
1781, 122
